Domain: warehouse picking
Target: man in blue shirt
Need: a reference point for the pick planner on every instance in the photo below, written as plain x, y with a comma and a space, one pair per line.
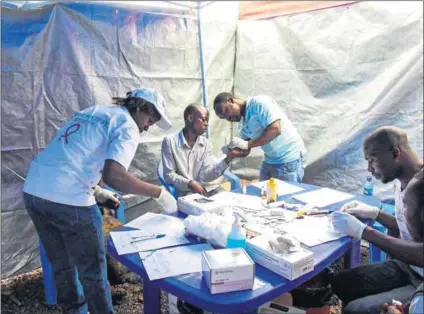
263, 124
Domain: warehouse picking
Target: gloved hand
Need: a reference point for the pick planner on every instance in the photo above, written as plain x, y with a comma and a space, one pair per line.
167, 201
238, 142
361, 210
347, 224
104, 196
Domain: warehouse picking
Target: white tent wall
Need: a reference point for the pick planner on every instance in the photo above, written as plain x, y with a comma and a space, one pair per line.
338, 73
61, 58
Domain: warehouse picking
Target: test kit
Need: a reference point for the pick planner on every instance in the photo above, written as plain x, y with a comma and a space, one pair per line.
228, 270
196, 204
290, 265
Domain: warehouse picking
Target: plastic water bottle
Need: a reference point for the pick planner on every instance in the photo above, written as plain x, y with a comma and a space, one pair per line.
368, 186
237, 236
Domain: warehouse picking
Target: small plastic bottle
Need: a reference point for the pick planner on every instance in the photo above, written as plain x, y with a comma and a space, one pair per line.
368, 186
272, 191
244, 186
237, 236
263, 193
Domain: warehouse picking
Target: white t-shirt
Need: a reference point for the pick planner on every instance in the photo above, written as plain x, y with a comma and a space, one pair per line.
71, 165
401, 220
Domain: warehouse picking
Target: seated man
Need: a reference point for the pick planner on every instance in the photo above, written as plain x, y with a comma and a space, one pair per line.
414, 206
364, 289
187, 158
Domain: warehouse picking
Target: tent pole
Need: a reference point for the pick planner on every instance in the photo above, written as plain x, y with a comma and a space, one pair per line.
202, 64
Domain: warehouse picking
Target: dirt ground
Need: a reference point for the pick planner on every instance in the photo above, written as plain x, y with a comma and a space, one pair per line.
24, 294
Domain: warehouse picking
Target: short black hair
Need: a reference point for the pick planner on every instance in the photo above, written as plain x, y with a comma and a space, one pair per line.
134, 104
386, 138
221, 99
190, 109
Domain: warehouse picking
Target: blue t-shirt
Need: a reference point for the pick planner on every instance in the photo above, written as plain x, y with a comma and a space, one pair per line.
71, 165
261, 111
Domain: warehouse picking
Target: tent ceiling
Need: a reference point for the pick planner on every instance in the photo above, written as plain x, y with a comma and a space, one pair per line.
185, 5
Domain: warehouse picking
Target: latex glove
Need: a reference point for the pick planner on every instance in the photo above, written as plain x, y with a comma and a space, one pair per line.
238, 153
238, 142
361, 210
167, 201
347, 224
104, 196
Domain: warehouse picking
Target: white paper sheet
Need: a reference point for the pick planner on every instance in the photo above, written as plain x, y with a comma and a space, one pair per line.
158, 223
313, 230
240, 200
323, 197
174, 261
124, 244
283, 188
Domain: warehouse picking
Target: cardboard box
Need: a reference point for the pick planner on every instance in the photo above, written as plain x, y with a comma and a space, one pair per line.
228, 270
290, 266
196, 204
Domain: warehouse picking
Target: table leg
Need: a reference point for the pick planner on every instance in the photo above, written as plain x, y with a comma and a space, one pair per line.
352, 257
151, 298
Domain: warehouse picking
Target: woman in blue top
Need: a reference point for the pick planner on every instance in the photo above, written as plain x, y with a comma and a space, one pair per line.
61, 189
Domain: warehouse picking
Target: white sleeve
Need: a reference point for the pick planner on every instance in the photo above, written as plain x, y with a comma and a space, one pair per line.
122, 145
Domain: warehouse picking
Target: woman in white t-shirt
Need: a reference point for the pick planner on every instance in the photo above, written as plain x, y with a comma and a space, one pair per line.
61, 188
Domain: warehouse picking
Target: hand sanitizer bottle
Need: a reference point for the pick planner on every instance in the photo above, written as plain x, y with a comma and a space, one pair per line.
237, 236
368, 186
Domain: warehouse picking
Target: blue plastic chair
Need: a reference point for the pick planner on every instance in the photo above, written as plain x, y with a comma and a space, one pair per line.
234, 180
169, 187
50, 293
376, 254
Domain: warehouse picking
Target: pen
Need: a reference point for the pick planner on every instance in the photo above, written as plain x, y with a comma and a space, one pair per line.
142, 238
313, 212
317, 212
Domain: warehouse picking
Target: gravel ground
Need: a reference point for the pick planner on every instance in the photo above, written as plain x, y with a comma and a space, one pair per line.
24, 294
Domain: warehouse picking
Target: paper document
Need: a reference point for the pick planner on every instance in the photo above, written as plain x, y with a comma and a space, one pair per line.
323, 197
283, 188
126, 241
240, 200
258, 283
313, 230
174, 261
158, 223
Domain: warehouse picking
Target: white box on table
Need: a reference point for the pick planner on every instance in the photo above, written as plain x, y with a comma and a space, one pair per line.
196, 204
228, 270
290, 266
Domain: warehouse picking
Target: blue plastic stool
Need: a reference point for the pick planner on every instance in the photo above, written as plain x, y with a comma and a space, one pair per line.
50, 293
376, 254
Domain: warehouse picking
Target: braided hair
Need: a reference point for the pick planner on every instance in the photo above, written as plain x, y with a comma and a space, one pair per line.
134, 104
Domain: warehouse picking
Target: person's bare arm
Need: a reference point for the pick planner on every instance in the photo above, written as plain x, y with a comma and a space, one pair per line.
409, 252
388, 221
115, 175
270, 132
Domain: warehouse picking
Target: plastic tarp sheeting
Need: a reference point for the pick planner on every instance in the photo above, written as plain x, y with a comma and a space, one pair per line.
267, 9
338, 73
61, 58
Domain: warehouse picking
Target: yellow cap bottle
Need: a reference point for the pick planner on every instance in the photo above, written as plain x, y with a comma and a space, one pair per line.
272, 190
